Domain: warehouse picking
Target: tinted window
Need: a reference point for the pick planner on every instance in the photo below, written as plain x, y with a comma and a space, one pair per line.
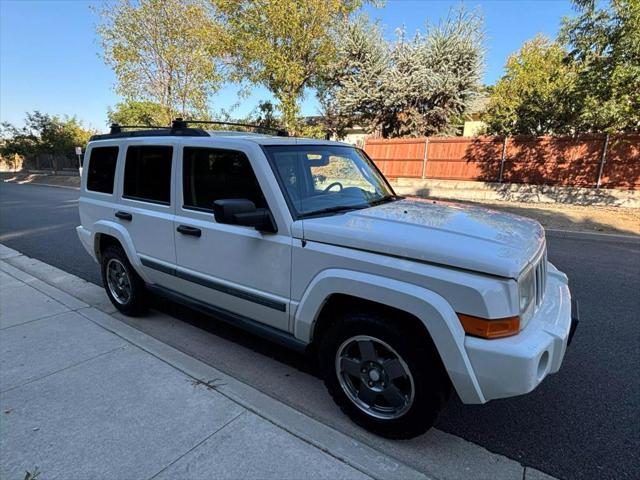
102, 169
147, 174
211, 174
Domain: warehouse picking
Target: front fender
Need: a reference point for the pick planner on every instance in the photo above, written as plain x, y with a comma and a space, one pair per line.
120, 233
433, 311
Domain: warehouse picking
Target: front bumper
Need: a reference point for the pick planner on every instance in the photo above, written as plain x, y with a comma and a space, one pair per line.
516, 365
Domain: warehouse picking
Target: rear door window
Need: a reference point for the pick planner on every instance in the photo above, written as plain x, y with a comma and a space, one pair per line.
147, 174
102, 169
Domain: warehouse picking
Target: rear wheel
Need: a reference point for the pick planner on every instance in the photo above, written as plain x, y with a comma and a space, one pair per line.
388, 380
124, 286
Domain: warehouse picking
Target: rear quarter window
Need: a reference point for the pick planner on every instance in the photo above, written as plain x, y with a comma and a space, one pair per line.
102, 169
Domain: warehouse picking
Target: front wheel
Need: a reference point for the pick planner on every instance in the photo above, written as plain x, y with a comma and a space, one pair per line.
386, 379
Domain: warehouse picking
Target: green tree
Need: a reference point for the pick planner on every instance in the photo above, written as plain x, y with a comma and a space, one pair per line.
133, 112
43, 134
284, 45
605, 45
265, 115
163, 52
412, 87
353, 90
536, 95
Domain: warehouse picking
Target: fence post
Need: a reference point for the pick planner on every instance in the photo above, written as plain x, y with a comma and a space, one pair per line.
504, 154
425, 157
602, 160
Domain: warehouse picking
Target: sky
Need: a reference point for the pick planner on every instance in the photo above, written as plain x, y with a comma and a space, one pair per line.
49, 53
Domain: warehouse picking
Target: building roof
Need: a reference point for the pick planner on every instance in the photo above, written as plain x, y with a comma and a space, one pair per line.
478, 104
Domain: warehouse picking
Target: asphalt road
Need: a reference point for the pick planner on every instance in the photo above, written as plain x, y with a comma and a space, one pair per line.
583, 422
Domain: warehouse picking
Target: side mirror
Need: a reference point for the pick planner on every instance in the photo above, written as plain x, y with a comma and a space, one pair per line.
243, 212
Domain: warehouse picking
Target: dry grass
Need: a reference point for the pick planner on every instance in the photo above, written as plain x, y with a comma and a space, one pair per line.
574, 217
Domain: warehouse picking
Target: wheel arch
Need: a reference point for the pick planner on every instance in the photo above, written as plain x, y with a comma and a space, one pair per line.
334, 287
109, 233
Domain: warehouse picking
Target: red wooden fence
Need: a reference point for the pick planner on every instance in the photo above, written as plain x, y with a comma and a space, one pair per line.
585, 161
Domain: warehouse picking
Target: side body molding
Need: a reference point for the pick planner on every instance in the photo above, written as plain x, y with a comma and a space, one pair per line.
434, 311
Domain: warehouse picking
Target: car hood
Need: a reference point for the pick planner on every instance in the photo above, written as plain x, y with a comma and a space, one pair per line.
446, 233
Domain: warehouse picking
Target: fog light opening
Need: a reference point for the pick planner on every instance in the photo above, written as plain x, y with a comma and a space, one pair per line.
543, 363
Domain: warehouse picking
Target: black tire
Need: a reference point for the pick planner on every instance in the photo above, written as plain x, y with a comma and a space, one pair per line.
136, 303
431, 385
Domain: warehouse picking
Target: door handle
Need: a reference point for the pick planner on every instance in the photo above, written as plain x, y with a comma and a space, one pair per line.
187, 230
124, 216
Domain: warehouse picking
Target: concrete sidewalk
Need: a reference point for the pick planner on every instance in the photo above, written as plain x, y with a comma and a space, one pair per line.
82, 395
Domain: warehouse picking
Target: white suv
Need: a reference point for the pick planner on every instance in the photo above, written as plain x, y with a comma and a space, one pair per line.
304, 242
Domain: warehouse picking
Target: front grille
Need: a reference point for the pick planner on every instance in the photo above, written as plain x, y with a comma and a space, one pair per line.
541, 277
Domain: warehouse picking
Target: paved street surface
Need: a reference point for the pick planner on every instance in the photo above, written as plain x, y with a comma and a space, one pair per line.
580, 423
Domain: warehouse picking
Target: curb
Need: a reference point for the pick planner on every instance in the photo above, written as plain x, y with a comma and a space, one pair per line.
37, 184
570, 234
346, 449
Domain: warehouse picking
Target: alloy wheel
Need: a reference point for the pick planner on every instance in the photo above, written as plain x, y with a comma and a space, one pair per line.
118, 281
374, 377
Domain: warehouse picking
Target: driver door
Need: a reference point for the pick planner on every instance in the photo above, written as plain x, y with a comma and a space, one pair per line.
232, 267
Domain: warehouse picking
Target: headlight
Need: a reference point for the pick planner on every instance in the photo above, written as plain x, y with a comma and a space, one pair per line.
526, 287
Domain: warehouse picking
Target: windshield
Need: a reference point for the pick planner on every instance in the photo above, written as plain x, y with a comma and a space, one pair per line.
327, 179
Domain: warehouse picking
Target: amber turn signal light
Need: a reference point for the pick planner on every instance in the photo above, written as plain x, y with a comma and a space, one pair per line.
483, 328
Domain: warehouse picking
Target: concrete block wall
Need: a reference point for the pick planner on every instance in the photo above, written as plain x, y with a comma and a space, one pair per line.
488, 191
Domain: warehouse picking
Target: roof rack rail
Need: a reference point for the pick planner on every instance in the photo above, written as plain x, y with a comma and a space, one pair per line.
179, 124
117, 128
118, 131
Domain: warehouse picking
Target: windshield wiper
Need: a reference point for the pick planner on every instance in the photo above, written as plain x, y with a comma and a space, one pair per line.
336, 209
385, 199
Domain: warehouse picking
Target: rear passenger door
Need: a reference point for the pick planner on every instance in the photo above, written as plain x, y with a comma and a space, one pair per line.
232, 267
146, 207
